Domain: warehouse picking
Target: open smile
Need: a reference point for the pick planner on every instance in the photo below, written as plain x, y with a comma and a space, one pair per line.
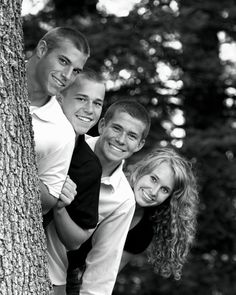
59, 83
116, 148
148, 197
85, 119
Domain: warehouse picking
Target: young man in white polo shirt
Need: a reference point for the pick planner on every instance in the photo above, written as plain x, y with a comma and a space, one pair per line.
122, 132
58, 58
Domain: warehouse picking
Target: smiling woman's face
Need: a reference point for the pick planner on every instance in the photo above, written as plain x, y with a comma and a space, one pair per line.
154, 188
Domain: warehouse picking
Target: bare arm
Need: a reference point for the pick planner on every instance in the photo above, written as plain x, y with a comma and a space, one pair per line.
70, 234
67, 195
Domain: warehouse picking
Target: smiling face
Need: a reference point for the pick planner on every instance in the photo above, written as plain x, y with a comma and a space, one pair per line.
120, 137
57, 68
154, 188
82, 103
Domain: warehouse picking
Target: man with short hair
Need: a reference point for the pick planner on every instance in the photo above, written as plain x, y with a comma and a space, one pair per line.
56, 61
122, 132
82, 104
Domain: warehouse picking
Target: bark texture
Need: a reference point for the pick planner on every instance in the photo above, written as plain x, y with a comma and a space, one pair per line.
23, 260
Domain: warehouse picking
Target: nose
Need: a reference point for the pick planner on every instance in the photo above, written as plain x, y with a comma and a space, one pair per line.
89, 107
67, 73
155, 189
121, 138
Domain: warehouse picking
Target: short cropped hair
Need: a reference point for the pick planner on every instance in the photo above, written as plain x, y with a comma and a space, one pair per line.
54, 37
88, 74
134, 109
91, 75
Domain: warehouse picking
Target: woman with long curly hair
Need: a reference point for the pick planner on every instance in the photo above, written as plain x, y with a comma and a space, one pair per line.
164, 221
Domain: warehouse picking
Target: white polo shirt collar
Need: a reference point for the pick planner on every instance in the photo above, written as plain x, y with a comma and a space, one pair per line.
46, 112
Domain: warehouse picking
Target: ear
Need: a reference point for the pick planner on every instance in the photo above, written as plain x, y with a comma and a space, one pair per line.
140, 145
41, 48
101, 125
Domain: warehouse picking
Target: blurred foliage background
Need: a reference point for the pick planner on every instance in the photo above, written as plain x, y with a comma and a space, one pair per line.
176, 58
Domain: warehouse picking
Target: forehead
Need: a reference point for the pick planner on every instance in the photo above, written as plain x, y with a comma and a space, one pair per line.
128, 123
165, 172
67, 49
89, 88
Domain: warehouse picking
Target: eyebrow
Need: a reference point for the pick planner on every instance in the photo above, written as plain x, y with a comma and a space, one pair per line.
69, 61
66, 58
86, 96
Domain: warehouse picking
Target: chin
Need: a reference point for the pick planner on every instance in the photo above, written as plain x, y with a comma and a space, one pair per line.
113, 158
81, 132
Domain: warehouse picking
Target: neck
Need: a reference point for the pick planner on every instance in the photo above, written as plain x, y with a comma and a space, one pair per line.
108, 167
37, 96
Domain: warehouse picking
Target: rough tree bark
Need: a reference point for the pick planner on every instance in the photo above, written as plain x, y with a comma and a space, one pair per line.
23, 260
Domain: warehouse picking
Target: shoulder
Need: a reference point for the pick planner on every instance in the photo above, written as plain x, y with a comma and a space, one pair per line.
83, 156
83, 147
64, 126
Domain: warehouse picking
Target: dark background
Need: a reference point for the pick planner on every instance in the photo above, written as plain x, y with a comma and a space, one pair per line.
187, 37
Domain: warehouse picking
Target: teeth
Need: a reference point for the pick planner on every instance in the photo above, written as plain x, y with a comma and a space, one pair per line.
116, 148
85, 119
58, 82
147, 196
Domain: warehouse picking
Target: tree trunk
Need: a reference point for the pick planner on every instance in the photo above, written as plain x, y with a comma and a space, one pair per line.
23, 260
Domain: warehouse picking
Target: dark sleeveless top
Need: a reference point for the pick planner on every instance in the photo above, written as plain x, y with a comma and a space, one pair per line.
140, 236
138, 239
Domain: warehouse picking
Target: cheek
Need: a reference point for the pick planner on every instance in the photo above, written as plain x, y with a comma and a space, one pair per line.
67, 111
134, 146
97, 113
138, 185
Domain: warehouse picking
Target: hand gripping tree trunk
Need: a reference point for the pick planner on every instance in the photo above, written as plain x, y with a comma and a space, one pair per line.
23, 261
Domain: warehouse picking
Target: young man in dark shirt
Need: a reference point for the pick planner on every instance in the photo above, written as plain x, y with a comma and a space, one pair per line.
82, 104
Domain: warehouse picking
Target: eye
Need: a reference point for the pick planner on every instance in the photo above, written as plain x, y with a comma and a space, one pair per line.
153, 178
81, 98
77, 71
98, 104
63, 61
132, 136
116, 128
165, 190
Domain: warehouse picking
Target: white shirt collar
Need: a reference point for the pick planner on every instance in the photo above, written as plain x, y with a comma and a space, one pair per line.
45, 112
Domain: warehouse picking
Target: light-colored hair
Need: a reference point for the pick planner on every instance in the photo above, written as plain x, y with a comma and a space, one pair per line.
134, 109
175, 220
91, 75
87, 74
56, 36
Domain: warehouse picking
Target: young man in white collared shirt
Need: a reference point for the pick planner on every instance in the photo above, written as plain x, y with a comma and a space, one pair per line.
59, 56
122, 132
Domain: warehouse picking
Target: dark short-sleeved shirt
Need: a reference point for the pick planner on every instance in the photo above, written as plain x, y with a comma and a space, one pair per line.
85, 170
140, 236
